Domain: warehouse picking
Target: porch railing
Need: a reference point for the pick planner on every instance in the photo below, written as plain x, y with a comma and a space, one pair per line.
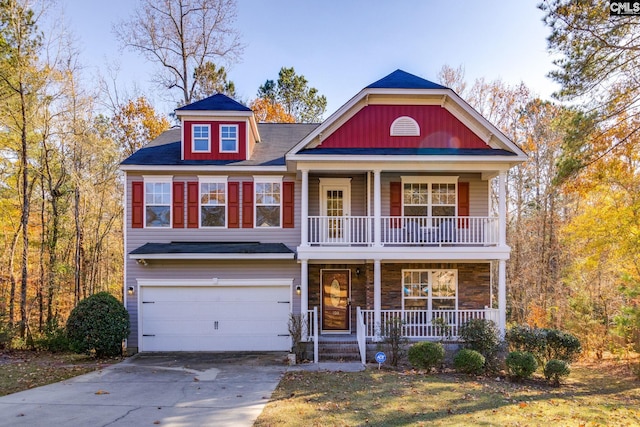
361, 336
398, 230
426, 323
311, 330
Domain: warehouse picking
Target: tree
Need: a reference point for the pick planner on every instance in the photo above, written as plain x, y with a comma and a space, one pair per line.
268, 111
210, 80
135, 124
292, 92
599, 66
182, 36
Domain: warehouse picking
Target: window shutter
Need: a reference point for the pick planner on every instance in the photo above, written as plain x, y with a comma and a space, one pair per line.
233, 205
247, 204
137, 204
395, 203
463, 204
178, 205
288, 194
192, 204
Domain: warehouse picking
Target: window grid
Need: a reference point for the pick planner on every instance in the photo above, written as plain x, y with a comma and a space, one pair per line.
429, 199
268, 204
157, 204
201, 140
213, 204
429, 290
228, 138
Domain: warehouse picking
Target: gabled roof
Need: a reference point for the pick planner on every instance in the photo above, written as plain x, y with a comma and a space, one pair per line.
217, 102
402, 80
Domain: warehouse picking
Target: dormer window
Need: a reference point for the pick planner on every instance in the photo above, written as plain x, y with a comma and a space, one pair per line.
228, 138
201, 138
405, 126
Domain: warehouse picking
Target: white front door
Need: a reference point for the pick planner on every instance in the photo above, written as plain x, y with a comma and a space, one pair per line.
335, 200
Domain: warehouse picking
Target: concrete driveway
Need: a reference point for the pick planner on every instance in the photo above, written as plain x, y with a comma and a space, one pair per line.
168, 389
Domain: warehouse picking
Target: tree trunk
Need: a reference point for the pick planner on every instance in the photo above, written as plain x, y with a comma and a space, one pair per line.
24, 221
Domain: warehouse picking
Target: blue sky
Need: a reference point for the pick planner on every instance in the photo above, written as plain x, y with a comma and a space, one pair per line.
342, 46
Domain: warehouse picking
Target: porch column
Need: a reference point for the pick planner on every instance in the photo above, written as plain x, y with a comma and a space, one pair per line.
377, 210
304, 295
304, 210
377, 298
502, 209
502, 296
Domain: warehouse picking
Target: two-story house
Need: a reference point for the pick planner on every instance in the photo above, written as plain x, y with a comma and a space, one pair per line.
393, 207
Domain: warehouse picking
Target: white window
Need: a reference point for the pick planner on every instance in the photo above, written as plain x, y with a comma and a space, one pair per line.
429, 289
201, 138
405, 126
213, 201
157, 201
429, 196
228, 138
268, 191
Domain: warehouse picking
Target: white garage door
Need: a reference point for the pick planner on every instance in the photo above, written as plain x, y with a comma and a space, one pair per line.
233, 318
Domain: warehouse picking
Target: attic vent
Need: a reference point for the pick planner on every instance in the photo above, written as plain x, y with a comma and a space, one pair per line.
405, 126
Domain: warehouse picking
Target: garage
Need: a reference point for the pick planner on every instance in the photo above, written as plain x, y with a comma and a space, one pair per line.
229, 316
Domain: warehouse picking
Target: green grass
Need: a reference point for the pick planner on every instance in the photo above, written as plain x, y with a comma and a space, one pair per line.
22, 370
607, 394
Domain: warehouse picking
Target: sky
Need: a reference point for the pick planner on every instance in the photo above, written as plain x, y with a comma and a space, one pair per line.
341, 46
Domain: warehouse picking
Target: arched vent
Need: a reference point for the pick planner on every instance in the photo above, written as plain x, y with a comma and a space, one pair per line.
405, 126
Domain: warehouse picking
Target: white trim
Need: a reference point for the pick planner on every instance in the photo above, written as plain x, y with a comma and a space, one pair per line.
208, 179
205, 168
211, 256
157, 179
425, 179
193, 137
212, 113
237, 139
430, 296
215, 282
343, 184
266, 179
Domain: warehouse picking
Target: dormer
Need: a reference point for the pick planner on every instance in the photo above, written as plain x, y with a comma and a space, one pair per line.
217, 128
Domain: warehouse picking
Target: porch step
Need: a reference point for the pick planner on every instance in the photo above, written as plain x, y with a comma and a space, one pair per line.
339, 350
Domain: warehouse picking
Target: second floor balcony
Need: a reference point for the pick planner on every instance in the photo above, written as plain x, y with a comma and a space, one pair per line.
403, 231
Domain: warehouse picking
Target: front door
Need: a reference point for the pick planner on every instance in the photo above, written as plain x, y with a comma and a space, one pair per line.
336, 300
335, 200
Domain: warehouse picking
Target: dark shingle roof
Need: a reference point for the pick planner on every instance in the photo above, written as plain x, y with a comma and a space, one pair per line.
217, 102
212, 248
276, 140
402, 80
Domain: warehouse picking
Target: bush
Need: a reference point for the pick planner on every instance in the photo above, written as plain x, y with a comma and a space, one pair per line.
555, 369
6, 336
469, 362
544, 344
521, 364
426, 355
98, 325
482, 336
394, 339
54, 338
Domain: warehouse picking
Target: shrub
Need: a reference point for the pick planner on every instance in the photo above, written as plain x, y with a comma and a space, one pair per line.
482, 336
469, 362
544, 344
426, 355
555, 369
521, 364
297, 326
54, 338
394, 339
6, 336
98, 325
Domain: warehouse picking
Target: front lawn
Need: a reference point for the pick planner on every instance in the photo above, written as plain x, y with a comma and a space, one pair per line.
605, 393
22, 370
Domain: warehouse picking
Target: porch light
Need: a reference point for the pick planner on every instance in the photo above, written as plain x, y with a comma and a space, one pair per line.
298, 290
357, 271
130, 290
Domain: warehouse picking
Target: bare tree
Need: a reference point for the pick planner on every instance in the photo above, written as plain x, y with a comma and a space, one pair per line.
181, 36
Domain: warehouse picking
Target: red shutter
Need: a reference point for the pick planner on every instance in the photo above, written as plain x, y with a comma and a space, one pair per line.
395, 203
233, 205
178, 205
247, 204
137, 204
288, 194
192, 204
463, 204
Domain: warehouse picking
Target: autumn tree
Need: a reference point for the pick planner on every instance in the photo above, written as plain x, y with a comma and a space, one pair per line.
135, 124
293, 94
182, 37
269, 111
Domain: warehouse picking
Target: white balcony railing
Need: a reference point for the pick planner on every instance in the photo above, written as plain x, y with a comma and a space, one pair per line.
396, 230
426, 323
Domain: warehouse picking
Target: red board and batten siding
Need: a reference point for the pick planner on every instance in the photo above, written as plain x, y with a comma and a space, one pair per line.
371, 128
215, 141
